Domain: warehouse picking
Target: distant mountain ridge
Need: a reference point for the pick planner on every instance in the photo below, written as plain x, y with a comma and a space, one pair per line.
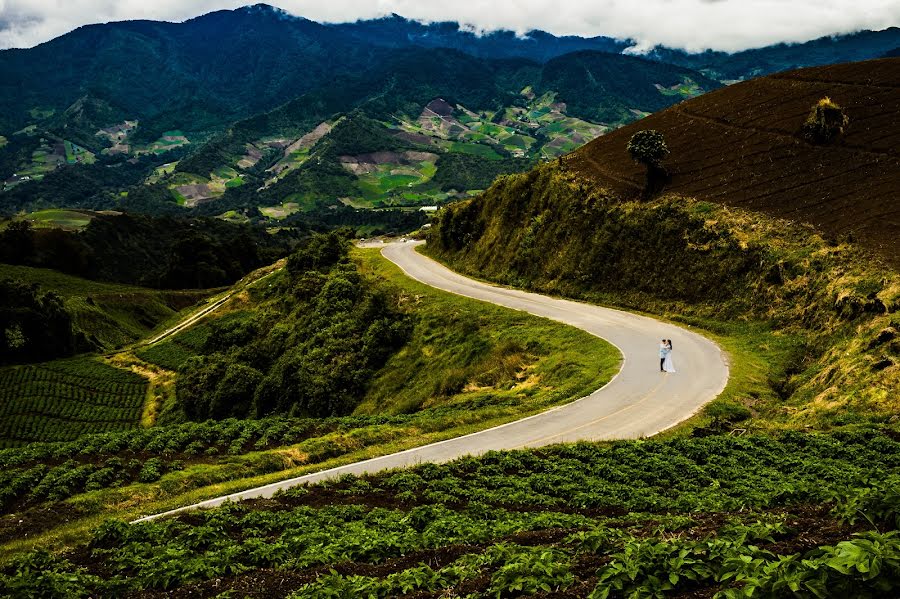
230, 64
209, 116
395, 31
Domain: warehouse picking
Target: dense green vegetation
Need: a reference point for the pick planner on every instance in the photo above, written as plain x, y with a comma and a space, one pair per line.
62, 400
159, 252
35, 325
703, 265
389, 86
310, 348
606, 87
97, 186
799, 513
461, 171
98, 316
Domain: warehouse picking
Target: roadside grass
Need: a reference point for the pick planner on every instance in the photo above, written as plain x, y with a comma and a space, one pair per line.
470, 366
758, 356
469, 353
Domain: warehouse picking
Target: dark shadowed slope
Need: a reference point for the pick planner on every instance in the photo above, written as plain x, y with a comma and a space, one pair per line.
741, 146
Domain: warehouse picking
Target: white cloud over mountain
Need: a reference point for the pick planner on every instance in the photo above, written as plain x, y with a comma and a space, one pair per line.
690, 24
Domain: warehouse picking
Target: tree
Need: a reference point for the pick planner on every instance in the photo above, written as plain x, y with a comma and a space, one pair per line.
649, 148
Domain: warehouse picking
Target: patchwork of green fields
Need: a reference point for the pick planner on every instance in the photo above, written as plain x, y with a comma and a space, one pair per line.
50, 154
75, 154
476, 149
169, 140
378, 185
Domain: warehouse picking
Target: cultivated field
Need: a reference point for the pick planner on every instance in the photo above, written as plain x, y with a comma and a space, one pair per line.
61, 400
741, 146
688, 518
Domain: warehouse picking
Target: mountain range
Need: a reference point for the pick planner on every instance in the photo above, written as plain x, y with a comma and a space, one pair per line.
240, 106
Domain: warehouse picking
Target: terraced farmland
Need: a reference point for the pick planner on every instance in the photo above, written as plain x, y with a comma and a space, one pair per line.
61, 400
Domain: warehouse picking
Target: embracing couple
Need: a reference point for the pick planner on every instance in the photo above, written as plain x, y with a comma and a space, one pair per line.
665, 356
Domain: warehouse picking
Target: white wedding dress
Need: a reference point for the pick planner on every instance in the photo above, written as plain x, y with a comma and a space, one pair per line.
668, 366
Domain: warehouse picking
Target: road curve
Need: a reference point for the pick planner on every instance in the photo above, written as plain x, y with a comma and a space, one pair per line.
639, 401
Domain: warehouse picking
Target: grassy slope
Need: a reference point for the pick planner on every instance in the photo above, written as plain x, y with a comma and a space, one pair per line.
110, 314
466, 353
809, 324
490, 365
75, 396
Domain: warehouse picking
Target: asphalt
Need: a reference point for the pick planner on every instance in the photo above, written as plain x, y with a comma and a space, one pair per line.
638, 402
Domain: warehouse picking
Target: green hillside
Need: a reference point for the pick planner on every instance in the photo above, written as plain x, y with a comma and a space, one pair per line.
461, 366
108, 315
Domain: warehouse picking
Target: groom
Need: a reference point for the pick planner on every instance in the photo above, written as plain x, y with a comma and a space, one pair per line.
663, 352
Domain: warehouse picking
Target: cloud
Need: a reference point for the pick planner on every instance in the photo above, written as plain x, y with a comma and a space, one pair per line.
694, 25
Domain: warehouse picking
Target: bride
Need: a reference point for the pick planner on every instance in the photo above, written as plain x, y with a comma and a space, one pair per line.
668, 366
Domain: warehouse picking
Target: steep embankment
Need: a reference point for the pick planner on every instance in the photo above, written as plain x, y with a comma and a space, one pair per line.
741, 146
817, 315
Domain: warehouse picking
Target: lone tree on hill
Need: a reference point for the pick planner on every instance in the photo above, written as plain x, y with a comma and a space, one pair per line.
825, 122
649, 148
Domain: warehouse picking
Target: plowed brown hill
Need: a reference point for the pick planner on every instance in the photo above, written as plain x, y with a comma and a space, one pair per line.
741, 146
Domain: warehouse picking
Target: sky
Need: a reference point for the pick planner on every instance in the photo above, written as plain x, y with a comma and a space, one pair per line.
693, 25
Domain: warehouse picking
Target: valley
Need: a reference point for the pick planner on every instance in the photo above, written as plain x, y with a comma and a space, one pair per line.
405, 308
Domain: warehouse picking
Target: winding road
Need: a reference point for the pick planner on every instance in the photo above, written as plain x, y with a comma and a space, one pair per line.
639, 401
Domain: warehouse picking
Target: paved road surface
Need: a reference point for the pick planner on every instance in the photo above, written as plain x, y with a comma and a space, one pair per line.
639, 401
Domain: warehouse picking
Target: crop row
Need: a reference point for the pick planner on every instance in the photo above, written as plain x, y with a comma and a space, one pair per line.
62, 400
736, 517
207, 441
478, 547
69, 478
229, 436
24, 429
83, 411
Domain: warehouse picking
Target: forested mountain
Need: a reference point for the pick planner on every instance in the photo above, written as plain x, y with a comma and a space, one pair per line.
205, 72
395, 31
401, 133
829, 49
235, 113
228, 64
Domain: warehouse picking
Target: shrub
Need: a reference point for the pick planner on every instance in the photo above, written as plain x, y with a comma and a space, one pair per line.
826, 121
648, 147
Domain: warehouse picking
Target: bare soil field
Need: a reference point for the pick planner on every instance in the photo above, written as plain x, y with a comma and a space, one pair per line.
741, 146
